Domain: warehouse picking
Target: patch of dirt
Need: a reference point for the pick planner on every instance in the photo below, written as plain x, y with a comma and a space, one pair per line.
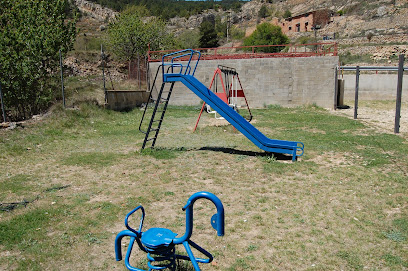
314, 130
381, 119
334, 159
210, 120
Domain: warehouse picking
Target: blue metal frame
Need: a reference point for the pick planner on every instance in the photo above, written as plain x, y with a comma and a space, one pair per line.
293, 148
159, 243
180, 54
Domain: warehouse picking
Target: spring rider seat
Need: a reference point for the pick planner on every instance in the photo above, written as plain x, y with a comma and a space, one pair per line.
159, 243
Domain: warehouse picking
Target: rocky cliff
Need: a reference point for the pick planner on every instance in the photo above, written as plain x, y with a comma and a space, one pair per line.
94, 10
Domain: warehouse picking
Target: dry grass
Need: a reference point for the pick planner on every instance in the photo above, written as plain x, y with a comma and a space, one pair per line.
343, 206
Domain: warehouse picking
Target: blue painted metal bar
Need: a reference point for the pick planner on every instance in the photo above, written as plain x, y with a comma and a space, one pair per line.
191, 256
138, 233
189, 215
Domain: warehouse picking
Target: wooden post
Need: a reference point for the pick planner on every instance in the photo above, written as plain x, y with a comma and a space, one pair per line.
62, 79
103, 74
356, 93
2, 105
399, 94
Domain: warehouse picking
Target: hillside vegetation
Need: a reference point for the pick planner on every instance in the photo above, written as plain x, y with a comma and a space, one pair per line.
172, 8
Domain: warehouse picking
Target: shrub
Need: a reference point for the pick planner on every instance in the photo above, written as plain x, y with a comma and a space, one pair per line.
267, 34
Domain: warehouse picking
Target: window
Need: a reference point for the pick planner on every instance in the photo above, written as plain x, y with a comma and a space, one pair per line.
298, 28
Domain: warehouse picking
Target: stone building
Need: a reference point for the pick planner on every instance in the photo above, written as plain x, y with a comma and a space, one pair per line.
307, 21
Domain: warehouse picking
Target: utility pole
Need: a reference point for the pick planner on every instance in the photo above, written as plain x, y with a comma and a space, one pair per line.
228, 25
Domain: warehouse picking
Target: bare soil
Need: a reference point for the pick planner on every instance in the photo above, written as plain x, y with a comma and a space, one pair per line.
380, 117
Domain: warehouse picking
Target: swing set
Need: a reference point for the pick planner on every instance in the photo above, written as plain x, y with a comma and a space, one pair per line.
231, 92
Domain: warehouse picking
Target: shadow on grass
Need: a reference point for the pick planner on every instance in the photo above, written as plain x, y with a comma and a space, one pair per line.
277, 156
168, 153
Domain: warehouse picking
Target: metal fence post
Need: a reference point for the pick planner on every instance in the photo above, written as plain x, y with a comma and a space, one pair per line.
399, 94
62, 79
336, 86
356, 93
2, 105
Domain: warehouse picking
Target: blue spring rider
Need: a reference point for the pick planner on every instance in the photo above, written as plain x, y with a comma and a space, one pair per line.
159, 243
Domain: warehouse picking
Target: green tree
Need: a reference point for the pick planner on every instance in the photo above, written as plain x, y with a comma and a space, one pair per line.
189, 39
267, 34
128, 36
237, 33
263, 12
31, 35
220, 27
208, 35
287, 14
370, 35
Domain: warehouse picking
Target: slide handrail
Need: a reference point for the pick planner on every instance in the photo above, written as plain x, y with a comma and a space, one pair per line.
183, 55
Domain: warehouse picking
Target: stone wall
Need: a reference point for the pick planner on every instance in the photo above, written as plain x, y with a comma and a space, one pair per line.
267, 81
125, 99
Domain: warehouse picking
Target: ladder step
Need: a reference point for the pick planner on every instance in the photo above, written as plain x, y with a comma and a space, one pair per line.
150, 139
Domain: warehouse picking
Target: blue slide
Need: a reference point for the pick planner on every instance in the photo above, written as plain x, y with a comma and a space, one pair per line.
241, 124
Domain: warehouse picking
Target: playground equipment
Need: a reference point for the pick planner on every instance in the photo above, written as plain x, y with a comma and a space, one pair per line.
173, 72
232, 91
159, 243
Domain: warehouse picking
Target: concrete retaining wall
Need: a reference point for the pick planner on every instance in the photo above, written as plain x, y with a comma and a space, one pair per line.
125, 99
267, 81
375, 86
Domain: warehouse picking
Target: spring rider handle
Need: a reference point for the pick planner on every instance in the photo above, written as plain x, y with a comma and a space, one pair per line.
217, 220
133, 234
138, 233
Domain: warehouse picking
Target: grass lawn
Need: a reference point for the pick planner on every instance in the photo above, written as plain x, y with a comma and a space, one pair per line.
343, 206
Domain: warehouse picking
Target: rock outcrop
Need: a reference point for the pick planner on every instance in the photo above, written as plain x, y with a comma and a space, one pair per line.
95, 11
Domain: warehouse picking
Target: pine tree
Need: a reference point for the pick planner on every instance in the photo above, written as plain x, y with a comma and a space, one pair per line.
208, 35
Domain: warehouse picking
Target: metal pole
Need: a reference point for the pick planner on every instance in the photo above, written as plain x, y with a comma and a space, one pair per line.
336, 87
2, 105
399, 94
371, 68
356, 93
103, 72
62, 79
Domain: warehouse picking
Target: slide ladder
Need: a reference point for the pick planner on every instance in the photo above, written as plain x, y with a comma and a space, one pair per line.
158, 112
